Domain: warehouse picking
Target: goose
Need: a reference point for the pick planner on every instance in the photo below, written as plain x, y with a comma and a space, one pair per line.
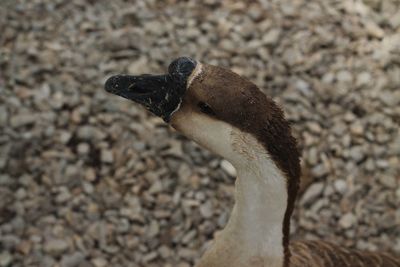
230, 116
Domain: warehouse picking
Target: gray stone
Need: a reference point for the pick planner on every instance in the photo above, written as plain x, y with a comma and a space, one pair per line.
83, 148
228, 168
150, 256
206, 210
363, 78
272, 36
347, 220
63, 196
3, 116
72, 260
165, 252
395, 21
55, 247
320, 170
65, 137
100, 262
344, 76
23, 120
303, 87
357, 153
138, 66
156, 187
389, 181
340, 186
312, 192
90, 133
312, 156
388, 98
107, 156
5, 259
373, 29
153, 229
188, 237
357, 128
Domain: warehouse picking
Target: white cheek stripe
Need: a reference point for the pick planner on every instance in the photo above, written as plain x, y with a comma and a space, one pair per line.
194, 74
176, 109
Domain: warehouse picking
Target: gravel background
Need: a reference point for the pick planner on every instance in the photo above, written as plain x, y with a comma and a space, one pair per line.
90, 179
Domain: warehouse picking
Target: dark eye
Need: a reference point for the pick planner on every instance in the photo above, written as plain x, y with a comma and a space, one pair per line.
205, 108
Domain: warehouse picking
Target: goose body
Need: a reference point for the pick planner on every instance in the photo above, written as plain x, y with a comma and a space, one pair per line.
231, 117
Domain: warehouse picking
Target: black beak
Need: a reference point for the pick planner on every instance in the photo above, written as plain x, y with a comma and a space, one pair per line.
152, 91
161, 94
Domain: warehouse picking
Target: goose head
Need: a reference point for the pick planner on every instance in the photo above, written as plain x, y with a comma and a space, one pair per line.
230, 116
218, 109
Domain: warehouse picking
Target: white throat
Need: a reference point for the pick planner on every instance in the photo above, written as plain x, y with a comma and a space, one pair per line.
253, 235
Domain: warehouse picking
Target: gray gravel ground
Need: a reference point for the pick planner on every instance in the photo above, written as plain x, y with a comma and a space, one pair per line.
89, 179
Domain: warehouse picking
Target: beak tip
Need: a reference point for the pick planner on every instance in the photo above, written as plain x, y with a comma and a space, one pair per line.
111, 84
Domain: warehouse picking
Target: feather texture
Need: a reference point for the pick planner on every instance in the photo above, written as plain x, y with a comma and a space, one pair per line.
325, 254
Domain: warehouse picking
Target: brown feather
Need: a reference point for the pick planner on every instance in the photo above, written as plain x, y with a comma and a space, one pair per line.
266, 122
325, 254
254, 113
247, 108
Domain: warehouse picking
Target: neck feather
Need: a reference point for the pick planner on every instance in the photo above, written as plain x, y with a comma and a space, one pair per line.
266, 187
258, 215
254, 233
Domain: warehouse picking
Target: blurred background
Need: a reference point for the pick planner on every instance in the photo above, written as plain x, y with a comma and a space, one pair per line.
89, 179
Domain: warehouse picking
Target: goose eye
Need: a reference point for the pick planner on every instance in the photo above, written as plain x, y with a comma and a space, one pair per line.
206, 109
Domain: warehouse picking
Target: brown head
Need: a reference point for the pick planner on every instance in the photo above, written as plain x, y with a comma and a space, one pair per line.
218, 109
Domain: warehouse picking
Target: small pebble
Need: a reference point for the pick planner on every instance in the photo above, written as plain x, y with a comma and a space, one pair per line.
347, 220
228, 168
